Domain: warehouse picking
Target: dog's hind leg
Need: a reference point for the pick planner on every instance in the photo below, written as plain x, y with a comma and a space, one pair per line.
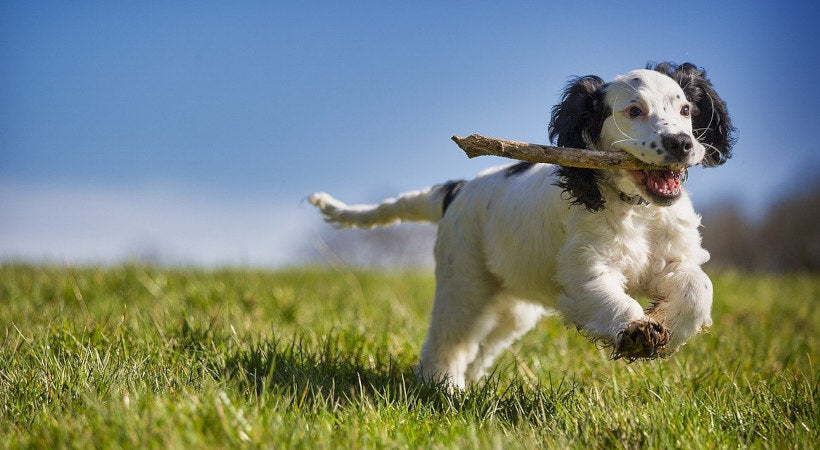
452, 339
462, 316
513, 320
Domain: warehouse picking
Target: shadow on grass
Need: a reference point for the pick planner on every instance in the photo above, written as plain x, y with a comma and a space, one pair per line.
329, 377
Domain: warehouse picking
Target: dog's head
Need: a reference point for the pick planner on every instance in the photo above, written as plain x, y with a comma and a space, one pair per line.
666, 114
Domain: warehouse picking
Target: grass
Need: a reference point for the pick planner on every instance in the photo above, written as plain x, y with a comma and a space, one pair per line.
135, 356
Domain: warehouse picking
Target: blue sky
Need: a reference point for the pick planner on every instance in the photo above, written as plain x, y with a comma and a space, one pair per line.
197, 128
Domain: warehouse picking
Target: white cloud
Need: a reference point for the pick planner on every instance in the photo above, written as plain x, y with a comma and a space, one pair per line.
161, 224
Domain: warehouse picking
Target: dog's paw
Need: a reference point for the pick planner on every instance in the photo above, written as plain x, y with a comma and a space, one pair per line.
642, 339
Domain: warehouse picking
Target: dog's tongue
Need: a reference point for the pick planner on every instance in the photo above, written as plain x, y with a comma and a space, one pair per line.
666, 183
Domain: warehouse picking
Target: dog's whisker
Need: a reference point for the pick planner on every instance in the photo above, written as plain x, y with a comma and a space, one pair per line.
710, 146
688, 82
700, 132
620, 130
623, 140
632, 88
712, 111
627, 136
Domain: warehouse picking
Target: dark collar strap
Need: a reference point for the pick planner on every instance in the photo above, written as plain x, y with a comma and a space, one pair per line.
633, 199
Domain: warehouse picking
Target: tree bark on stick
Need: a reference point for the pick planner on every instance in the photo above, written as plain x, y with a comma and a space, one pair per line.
477, 145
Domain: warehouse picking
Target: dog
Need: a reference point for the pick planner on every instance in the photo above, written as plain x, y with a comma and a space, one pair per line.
524, 239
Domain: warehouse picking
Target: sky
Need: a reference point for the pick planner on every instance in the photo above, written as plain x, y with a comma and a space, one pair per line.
191, 132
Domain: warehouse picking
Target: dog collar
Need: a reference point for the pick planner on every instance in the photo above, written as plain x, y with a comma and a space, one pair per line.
632, 199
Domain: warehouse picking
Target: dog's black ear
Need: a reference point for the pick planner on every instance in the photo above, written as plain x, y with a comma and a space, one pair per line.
577, 122
581, 185
578, 119
711, 123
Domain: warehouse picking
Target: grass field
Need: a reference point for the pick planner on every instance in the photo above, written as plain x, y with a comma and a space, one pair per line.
171, 358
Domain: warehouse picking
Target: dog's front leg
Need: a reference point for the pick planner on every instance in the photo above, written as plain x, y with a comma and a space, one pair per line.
683, 302
594, 299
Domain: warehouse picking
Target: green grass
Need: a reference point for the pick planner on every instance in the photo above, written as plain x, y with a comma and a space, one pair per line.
171, 358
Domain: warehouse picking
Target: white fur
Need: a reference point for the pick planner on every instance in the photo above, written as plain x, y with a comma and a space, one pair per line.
510, 247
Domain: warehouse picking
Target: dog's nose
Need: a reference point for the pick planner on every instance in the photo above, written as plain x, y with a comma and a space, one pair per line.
678, 145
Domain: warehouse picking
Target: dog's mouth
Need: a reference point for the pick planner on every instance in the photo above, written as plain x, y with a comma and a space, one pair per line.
664, 186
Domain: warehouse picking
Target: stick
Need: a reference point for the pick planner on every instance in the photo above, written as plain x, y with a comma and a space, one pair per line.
477, 145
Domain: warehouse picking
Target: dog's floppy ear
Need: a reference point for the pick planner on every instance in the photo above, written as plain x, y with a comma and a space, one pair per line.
577, 122
711, 123
578, 119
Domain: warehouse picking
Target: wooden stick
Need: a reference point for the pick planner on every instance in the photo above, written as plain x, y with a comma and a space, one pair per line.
477, 145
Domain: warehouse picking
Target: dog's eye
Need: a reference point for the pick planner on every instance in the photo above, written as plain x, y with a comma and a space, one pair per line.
685, 111
635, 112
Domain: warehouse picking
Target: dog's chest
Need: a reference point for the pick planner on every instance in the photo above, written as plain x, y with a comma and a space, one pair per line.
641, 244
630, 245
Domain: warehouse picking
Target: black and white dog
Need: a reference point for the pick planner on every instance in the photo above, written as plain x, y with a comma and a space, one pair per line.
521, 239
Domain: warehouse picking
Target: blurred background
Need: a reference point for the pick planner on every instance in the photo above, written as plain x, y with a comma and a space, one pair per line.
191, 132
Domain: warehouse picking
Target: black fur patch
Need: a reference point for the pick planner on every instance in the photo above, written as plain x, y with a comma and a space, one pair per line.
582, 187
451, 190
582, 111
580, 116
518, 169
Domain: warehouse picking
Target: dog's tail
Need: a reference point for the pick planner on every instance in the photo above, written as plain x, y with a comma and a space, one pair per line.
426, 205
